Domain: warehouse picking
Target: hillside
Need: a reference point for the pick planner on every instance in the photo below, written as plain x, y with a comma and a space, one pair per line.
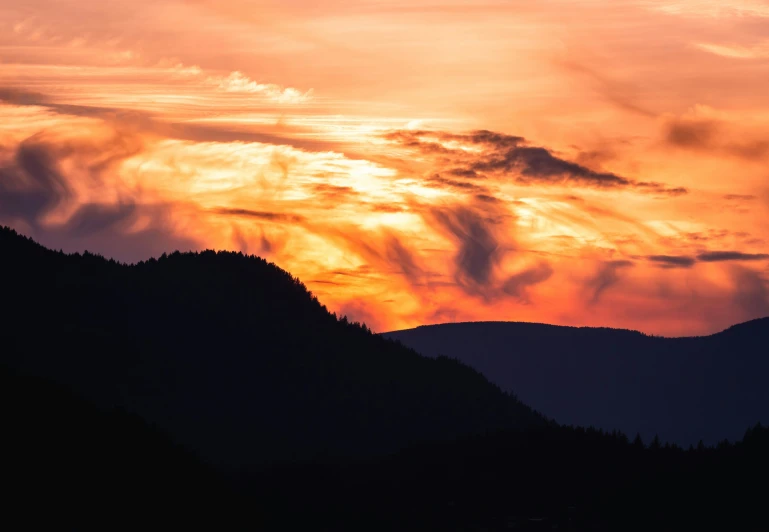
90, 468
683, 389
232, 357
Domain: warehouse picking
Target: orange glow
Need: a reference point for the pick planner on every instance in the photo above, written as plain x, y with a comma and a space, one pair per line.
584, 163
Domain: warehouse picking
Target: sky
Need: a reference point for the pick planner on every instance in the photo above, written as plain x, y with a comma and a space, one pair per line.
576, 163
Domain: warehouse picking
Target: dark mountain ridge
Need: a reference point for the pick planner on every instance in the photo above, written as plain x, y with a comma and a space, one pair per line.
232, 357
682, 389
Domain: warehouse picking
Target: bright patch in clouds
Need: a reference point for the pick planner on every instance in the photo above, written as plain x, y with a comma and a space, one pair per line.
237, 82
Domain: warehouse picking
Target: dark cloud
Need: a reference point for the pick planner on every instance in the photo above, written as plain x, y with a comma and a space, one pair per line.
15, 96
453, 183
659, 188
265, 245
93, 218
33, 184
682, 261
478, 250
750, 292
502, 140
691, 134
672, 261
404, 259
148, 122
516, 285
712, 136
260, 215
537, 164
719, 256
508, 154
741, 197
463, 172
487, 198
606, 277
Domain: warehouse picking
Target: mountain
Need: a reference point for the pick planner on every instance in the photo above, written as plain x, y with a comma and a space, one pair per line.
67, 464
682, 389
232, 357
211, 390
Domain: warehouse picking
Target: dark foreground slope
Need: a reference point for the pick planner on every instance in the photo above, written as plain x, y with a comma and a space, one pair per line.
684, 389
553, 478
69, 465
232, 357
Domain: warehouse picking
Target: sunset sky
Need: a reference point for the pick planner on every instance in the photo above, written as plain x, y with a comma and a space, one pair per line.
570, 162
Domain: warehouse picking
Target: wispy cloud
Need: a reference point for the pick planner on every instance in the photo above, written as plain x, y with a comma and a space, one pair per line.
723, 256
484, 154
237, 82
735, 51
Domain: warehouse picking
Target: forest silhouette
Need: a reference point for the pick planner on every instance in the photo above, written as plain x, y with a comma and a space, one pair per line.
213, 389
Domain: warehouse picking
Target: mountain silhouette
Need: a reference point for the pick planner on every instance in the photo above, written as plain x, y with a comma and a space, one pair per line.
681, 389
232, 357
66, 462
211, 390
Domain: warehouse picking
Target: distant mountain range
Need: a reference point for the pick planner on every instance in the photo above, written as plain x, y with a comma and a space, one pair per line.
232, 357
682, 389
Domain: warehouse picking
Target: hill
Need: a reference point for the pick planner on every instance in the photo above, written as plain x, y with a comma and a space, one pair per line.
683, 389
67, 464
232, 357
113, 377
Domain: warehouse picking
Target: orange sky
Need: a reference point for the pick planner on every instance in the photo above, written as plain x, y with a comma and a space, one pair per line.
580, 163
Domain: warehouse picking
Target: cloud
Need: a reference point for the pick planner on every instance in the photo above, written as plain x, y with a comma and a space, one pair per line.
672, 261
517, 285
51, 173
750, 292
147, 122
487, 198
606, 277
680, 261
260, 215
478, 250
33, 184
735, 51
401, 256
94, 218
480, 154
721, 256
453, 183
741, 197
237, 82
712, 136
537, 164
